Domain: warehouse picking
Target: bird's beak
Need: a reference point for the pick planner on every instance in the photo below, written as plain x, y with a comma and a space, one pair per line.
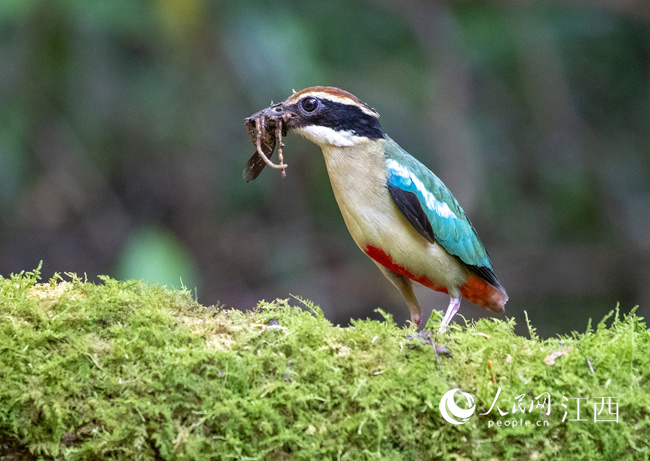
275, 111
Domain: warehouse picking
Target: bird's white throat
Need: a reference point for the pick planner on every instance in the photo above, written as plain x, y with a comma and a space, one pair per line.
324, 136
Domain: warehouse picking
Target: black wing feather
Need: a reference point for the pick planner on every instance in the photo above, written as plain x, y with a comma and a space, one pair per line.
409, 204
486, 274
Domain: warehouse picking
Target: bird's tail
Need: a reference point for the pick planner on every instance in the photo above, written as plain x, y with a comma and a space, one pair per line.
484, 294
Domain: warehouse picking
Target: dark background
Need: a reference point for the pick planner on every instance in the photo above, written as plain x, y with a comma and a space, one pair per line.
122, 144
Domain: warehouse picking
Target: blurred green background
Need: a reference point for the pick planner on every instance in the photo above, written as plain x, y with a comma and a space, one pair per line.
122, 144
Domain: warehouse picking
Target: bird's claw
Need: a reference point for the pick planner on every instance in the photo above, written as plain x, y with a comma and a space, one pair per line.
426, 337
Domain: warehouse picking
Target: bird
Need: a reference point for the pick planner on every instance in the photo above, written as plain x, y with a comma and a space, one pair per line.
399, 213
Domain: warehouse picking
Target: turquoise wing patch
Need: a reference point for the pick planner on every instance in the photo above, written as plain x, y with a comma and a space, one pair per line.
411, 184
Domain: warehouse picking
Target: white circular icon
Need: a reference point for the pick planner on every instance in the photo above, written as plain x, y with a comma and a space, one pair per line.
452, 412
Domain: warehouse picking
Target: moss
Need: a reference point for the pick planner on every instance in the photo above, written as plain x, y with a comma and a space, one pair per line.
134, 371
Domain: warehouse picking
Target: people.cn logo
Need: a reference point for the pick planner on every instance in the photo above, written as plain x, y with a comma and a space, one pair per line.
452, 412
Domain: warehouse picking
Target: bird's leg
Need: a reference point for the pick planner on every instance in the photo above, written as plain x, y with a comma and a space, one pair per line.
454, 304
404, 285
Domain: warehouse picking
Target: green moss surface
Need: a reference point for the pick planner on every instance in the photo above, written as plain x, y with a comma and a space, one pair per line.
133, 371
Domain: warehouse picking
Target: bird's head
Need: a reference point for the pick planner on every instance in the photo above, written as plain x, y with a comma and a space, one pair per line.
329, 116
325, 115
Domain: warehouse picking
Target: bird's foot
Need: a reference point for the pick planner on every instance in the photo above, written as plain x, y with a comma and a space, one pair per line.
426, 337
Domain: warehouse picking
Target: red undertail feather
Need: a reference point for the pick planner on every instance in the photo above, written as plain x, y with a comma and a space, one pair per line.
475, 289
483, 294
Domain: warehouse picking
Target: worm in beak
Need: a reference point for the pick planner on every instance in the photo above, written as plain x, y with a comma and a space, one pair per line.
266, 128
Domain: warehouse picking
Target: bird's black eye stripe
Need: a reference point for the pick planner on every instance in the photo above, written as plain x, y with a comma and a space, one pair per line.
336, 115
309, 104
